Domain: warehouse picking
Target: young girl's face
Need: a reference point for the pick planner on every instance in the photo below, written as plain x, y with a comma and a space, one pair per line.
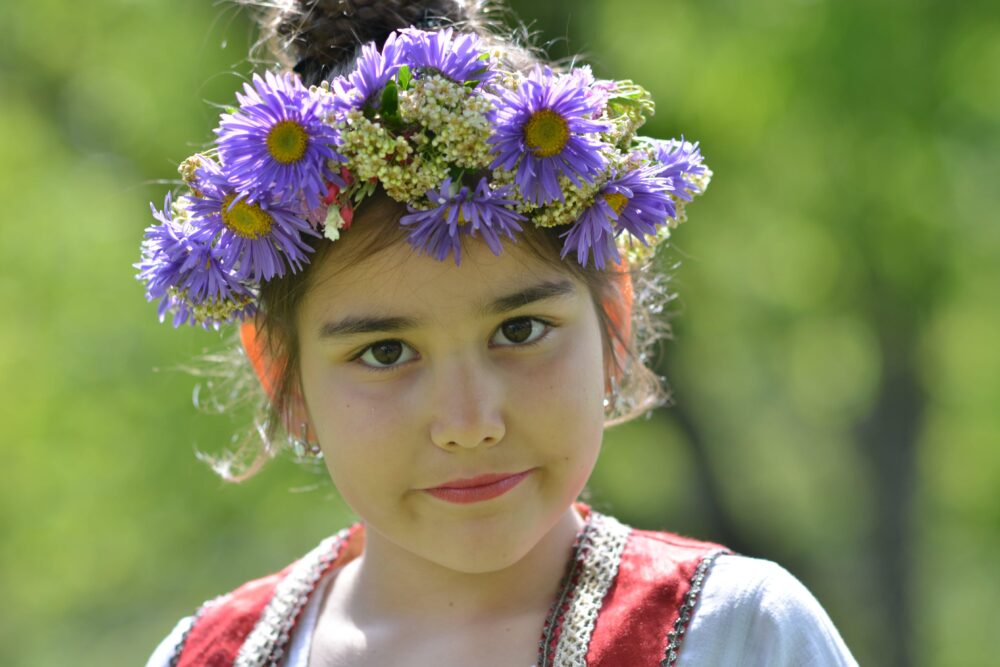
417, 373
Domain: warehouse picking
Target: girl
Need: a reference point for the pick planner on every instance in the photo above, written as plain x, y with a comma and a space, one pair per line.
432, 241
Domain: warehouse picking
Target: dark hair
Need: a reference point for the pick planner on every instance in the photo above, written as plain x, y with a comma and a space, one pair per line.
319, 38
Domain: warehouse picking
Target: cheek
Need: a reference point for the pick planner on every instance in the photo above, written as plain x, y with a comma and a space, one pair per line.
356, 425
564, 399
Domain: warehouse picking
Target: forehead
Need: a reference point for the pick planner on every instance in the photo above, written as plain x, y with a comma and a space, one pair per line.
399, 280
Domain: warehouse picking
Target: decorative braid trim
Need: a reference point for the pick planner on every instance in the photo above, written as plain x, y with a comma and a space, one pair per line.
676, 636
574, 615
267, 642
175, 657
550, 631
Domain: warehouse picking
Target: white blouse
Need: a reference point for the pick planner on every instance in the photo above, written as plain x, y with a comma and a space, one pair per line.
751, 613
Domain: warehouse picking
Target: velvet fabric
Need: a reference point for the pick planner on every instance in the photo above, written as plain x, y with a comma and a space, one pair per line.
654, 577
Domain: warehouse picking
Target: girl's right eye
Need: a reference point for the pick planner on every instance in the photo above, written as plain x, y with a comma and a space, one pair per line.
386, 354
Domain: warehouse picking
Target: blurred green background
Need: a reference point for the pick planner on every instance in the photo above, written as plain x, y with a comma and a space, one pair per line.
836, 364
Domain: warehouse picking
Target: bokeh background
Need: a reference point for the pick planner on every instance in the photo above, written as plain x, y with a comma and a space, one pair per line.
836, 363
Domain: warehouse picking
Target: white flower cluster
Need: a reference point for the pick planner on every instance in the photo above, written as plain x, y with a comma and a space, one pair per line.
375, 153
575, 202
629, 105
455, 115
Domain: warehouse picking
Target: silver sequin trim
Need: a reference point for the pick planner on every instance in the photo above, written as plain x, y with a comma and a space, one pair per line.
676, 636
599, 555
267, 642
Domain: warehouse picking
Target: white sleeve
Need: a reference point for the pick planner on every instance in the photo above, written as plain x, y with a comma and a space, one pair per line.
165, 651
752, 613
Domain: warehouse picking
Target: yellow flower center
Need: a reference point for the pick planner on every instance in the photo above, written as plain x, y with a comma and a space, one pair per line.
461, 219
286, 142
616, 201
247, 220
546, 133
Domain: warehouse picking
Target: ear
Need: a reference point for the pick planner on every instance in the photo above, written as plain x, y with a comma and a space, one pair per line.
618, 306
268, 370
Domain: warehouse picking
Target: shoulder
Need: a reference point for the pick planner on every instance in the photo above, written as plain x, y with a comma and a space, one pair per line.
260, 613
664, 550
754, 612
163, 656
222, 623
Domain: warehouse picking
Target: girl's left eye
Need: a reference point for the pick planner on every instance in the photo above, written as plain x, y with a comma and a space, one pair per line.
520, 331
389, 354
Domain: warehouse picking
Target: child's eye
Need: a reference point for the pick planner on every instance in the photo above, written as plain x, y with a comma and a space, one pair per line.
386, 354
516, 332
521, 331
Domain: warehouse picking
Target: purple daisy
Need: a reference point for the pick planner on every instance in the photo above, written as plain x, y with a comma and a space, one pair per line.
680, 163
438, 231
209, 314
258, 240
372, 71
637, 202
545, 129
455, 56
277, 142
183, 270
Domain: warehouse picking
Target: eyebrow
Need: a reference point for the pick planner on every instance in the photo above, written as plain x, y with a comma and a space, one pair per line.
362, 324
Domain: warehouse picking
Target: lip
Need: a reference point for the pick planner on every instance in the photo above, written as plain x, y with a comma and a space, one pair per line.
479, 488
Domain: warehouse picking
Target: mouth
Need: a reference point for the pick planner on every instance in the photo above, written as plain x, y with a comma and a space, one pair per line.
479, 488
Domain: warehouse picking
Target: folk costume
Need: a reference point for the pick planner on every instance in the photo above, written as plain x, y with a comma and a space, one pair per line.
445, 123
629, 598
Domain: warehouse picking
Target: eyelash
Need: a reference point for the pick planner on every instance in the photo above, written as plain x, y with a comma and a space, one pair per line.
549, 326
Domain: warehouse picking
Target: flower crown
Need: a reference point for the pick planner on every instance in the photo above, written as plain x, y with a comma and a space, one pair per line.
443, 125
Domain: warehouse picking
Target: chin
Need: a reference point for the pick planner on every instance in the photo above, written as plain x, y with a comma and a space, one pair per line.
483, 560
478, 546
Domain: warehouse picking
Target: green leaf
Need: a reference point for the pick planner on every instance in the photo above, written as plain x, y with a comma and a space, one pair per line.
404, 77
389, 110
390, 100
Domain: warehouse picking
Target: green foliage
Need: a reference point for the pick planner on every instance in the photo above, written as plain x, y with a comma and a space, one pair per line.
404, 77
389, 107
843, 258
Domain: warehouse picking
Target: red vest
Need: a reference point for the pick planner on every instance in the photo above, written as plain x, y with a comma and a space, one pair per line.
645, 585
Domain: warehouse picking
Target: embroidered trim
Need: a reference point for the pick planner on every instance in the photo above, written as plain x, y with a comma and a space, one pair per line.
175, 657
267, 642
550, 631
570, 625
676, 636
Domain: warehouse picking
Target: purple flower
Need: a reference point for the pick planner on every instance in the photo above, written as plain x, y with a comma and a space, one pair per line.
455, 56
277, 142
258, 240
543, 128
183, 270
210, 314
637, 202
372, 71
680, 162
438, 231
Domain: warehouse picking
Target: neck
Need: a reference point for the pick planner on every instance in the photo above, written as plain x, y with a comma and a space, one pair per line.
387, 582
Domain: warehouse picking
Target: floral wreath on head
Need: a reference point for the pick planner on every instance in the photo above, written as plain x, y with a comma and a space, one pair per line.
443, 125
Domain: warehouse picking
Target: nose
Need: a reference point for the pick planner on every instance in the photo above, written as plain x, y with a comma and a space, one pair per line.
467, 406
